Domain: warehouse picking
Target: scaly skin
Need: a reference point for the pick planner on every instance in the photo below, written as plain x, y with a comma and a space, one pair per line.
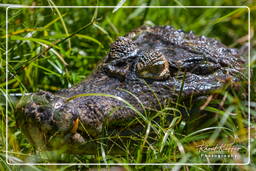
147, 68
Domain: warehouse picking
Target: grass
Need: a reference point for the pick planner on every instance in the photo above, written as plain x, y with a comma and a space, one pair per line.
32, 31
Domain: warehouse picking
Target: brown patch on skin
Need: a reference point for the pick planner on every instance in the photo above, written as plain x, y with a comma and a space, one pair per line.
75, 126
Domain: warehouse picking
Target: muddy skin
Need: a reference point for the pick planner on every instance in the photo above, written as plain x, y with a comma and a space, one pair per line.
145, 70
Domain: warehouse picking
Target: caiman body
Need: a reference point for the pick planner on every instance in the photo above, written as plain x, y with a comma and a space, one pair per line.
145, 70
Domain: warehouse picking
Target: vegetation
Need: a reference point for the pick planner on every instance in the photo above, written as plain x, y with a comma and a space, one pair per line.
80, 38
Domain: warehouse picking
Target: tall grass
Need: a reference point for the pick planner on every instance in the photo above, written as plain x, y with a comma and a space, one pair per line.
223, 119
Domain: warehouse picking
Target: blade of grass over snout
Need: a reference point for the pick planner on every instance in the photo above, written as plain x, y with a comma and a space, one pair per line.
154, 94
117, 98
178, 101
141, 104
111, 96
181, 88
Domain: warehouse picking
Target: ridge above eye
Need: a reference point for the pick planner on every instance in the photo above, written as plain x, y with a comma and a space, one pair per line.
121, 47
153, 65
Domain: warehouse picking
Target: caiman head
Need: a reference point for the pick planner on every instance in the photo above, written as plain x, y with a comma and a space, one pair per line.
145, 70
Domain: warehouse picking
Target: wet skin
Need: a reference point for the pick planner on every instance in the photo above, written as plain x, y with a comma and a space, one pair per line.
144, 70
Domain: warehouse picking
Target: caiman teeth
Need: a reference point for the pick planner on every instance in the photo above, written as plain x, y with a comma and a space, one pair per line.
75, 126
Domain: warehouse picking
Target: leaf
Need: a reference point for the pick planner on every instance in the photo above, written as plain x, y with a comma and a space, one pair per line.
56, 53
23, 31
46, 69
34, 40
54, 21
229, 15
90, 38
61, 19
119, 5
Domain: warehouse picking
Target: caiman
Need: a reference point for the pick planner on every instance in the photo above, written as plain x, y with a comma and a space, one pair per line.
144, 71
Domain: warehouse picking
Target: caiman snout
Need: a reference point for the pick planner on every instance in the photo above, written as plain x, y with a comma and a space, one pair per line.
42, 116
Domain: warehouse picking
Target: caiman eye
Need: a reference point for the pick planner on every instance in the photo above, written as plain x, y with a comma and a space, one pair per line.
153, 65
